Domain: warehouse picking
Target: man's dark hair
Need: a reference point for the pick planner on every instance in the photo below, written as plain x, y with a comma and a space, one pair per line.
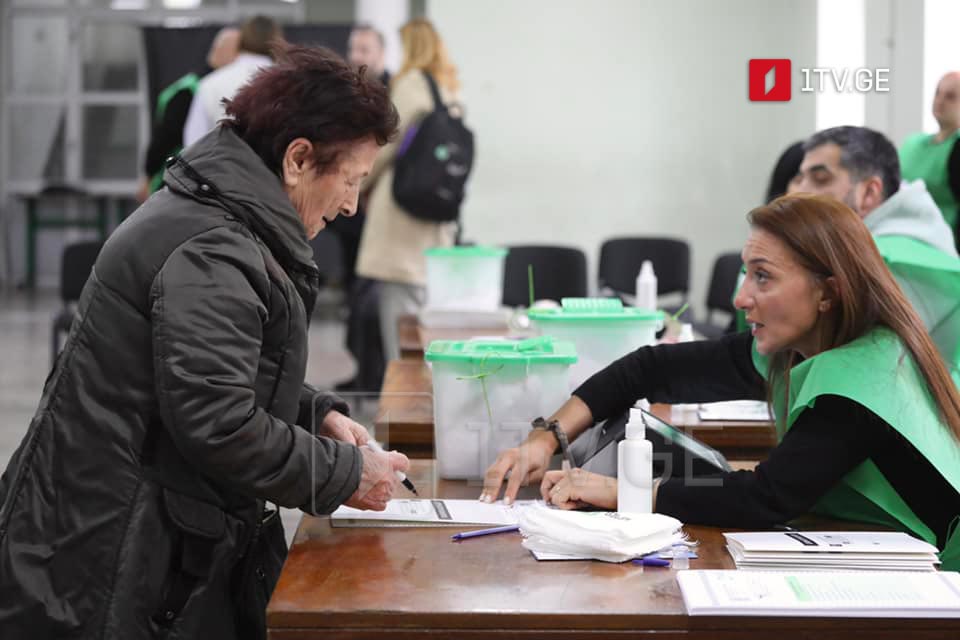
312, 93
363, 26
864, 153
258, 35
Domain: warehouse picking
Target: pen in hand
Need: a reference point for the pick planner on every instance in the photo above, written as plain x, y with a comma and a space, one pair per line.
404, 480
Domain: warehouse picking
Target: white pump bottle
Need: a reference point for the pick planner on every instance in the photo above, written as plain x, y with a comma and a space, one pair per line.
646, 291
635, 468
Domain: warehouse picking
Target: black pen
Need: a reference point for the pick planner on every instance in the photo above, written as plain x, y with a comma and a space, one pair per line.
404, 480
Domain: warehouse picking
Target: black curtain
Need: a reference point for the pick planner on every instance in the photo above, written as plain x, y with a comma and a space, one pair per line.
173, 52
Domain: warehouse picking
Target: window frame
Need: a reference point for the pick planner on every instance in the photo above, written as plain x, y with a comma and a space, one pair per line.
75, 98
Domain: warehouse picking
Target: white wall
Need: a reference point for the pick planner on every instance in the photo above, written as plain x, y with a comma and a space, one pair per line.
841, 44
894, 40
940, 51
387, 16
623, 117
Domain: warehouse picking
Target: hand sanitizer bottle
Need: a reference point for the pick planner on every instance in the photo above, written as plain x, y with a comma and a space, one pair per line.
635, 468
646, 293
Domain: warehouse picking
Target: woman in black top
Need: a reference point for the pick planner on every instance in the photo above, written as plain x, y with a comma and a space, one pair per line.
827, 315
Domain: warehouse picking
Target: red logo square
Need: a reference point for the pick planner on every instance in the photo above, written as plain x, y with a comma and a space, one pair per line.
770, 80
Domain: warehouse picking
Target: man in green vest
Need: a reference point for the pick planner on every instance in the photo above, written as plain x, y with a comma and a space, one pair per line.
860, 167
173, 104
935, 159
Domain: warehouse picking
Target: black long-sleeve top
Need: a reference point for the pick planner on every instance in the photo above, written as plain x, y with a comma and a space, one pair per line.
166, 136
167, 133
825, 442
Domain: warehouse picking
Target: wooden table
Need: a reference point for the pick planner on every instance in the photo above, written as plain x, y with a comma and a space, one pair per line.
411, 583
408, 336
405, 418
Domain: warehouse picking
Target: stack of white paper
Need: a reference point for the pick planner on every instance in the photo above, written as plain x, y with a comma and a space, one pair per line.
834, 550
735, 411
610, 536
875, 594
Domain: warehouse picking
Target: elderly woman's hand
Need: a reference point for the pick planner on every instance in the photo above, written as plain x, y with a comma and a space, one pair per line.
339, 427
577, 488
378, 479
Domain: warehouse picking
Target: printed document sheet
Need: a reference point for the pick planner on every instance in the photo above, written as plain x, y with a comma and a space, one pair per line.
873, 594
429, 513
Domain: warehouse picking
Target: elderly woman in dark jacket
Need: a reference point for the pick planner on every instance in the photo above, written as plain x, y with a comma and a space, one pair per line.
134, 508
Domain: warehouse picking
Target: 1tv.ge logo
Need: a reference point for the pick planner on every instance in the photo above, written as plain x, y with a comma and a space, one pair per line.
770, 79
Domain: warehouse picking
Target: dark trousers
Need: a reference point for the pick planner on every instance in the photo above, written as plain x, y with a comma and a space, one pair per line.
363, 335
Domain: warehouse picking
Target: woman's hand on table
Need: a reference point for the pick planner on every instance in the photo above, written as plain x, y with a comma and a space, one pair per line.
576, 488
524, 464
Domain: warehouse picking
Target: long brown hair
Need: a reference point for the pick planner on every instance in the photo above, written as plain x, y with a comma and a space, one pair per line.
830, 240
423, 49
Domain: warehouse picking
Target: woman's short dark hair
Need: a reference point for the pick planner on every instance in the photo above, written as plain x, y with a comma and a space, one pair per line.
785, 170
312, 93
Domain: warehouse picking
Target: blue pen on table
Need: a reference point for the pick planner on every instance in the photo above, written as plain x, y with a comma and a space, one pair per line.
404, 480
485, 532
651, 561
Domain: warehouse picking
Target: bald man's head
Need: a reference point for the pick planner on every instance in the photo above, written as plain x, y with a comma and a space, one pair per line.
946, 102
224, 48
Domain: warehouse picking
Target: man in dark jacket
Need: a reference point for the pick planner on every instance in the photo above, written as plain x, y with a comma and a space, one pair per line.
134, 508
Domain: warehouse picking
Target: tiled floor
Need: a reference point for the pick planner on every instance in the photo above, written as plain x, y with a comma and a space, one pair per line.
25, 322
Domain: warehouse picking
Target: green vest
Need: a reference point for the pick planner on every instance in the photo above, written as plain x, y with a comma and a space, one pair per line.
931, 280
876, 371
923, 159
189, 82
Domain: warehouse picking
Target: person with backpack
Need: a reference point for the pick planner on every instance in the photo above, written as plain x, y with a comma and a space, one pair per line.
397, 233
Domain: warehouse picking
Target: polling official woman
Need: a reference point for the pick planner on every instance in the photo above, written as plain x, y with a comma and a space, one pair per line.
134, 507
867, 416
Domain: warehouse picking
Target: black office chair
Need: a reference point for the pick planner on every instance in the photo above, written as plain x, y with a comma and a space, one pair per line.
558, 272
621, 259
723, 282
75, 268
36, 222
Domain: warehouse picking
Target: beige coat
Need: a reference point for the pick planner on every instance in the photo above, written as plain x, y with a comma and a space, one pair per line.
393, 241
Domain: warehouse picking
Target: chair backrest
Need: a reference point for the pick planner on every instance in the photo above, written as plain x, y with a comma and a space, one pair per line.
558, 272
621, 258
76, 266
723, 281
